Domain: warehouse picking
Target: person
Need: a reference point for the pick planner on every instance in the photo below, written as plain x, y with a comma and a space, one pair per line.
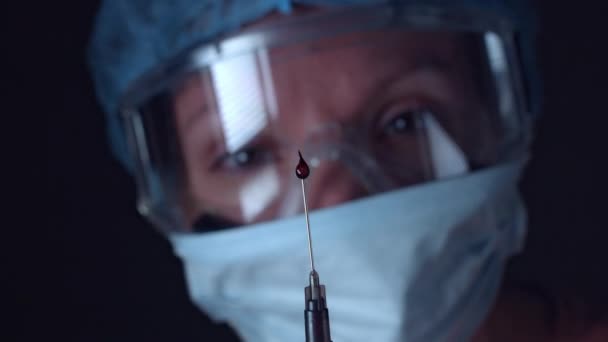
416, 118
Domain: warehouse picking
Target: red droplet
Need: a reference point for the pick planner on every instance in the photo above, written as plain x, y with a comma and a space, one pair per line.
302, 170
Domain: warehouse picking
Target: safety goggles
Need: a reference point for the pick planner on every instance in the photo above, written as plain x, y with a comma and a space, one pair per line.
376, 99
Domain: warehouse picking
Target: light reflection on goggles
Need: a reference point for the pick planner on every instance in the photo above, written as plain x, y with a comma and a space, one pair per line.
373, 111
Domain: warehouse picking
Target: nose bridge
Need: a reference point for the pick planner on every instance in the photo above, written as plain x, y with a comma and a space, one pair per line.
332, 183
354, 160
343, 168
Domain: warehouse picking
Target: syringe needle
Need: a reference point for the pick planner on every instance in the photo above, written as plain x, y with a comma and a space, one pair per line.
302, 171
316, 315
312, 260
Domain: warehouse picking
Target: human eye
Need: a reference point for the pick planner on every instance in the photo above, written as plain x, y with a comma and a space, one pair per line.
401, 122
248, 158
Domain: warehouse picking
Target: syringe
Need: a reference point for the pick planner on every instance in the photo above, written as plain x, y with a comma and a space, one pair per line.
316, 315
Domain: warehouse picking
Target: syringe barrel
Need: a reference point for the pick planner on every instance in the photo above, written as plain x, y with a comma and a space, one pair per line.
317, 325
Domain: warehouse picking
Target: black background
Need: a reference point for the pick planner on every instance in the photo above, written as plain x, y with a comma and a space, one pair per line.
117, 279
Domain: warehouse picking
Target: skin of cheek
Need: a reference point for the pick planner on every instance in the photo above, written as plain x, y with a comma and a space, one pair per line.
206, 190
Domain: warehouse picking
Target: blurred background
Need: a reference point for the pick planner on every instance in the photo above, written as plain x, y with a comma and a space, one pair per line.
117, 280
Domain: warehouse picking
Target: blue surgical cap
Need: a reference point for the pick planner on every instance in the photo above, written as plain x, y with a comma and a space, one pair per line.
131, 37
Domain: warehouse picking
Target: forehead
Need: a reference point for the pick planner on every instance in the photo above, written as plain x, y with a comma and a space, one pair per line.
361, 59
338, 70
375, 44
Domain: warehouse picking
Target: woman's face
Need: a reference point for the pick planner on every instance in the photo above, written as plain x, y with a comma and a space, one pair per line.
239, 151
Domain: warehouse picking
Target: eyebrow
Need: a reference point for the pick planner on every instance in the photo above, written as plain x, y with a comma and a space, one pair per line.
437, 66
421, 62
194, 116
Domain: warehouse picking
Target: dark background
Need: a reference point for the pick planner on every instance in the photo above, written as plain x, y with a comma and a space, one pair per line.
117, 279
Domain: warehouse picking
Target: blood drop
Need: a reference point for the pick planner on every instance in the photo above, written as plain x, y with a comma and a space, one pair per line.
302, 170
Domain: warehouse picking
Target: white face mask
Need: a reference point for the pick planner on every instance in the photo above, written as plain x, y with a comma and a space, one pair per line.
419, 264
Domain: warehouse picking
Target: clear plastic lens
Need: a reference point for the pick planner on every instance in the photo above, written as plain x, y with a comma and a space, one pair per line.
371, 112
